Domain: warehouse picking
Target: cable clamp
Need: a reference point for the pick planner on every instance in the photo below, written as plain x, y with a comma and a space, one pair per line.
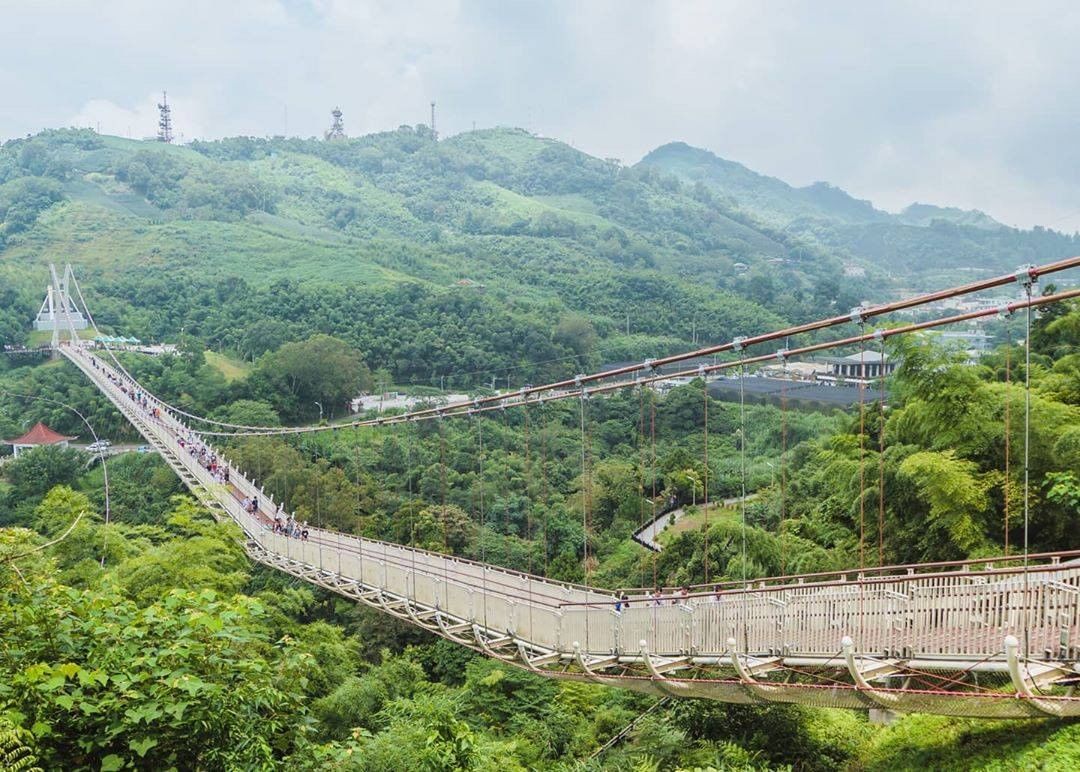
856, 314
578, 379
782, 354
1026, 276
701, 370
738, 344
1005, 312
647, 365
879, 335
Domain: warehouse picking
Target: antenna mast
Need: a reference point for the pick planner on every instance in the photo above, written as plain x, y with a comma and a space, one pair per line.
434, 133
165, 119
337, 128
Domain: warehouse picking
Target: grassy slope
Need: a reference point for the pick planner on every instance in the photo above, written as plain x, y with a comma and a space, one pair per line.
232, 369
942, 743
261, 248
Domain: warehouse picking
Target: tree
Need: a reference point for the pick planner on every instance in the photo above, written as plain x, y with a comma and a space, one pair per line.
248, 412
208, 557
577, 333
105, 684
37, 470
320, 369
958, 501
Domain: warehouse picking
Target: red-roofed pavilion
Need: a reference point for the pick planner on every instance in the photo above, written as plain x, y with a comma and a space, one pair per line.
40, 434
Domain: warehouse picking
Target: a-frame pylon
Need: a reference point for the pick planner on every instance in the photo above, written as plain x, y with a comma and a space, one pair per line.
59, 311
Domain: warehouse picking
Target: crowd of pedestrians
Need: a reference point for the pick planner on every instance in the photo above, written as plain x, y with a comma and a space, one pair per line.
289, 527
190, 442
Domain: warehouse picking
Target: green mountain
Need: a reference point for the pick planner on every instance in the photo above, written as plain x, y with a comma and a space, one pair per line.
769, 198
925, 214
402, 243
489, 231
923, 246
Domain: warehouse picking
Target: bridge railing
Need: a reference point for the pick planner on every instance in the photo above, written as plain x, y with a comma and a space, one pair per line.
961, 609
516, 587
871, 573
957, 613
530, 583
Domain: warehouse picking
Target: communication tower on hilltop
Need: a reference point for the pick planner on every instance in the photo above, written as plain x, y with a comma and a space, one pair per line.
337, 128
434, 133
165, 119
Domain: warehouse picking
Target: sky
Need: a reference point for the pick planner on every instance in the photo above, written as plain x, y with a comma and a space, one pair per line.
968, 104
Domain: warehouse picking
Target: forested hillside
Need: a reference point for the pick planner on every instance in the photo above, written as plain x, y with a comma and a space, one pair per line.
923, 246
494, 253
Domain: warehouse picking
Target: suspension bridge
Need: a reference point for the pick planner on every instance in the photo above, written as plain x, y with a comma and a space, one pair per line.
991, 638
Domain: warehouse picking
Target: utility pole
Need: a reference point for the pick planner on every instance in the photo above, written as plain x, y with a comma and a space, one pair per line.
628, 325
434, 133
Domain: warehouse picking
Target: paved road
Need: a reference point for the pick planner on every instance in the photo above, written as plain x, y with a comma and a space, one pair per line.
649, 535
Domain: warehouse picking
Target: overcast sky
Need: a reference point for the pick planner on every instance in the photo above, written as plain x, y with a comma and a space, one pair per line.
966, 104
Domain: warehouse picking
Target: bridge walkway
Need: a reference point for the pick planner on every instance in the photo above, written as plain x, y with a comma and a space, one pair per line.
905, 641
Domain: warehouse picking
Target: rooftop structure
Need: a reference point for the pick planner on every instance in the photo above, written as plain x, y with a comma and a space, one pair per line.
858, 368
39, 434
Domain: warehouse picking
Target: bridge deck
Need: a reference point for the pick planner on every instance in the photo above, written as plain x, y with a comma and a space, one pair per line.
729, 645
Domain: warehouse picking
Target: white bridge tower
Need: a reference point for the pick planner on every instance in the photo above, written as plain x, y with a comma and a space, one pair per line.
59, 310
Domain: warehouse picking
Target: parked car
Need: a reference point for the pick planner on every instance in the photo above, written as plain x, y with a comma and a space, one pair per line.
99, 446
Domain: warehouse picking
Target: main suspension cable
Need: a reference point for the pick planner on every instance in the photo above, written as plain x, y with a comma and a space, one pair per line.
517, 400
650, 365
